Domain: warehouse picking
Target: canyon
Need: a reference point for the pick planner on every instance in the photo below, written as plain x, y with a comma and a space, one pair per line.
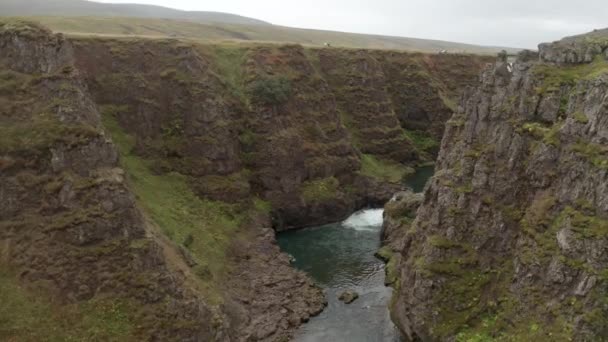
143, 183
143, 180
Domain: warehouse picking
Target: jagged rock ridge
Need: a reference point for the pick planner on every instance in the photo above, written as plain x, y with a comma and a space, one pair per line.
510, 240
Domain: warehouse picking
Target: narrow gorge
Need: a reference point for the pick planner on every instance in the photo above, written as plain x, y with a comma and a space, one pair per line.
510, 240
165, 189
143, 180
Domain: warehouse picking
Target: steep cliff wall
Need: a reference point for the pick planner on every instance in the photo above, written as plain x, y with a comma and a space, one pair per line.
510, 240
83, 258
140, 180
312, 132
68, 222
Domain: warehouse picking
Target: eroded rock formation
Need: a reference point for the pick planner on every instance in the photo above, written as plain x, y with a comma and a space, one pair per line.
71, 229
140, 179
510, 240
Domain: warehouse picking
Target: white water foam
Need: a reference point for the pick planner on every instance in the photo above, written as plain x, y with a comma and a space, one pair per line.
367, 220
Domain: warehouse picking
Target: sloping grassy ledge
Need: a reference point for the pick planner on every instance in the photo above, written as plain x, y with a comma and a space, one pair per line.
204, 228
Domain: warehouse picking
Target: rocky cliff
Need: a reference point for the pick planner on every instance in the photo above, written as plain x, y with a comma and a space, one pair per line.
511, 237
140, 179
314, 133
90, 252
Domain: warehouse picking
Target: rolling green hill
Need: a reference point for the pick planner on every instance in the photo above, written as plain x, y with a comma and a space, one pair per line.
162, 28
80, 17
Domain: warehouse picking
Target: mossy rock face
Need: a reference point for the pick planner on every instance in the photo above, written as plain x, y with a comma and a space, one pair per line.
391, 259
275, 118
114, 241
79, 273
514, 217
403, 204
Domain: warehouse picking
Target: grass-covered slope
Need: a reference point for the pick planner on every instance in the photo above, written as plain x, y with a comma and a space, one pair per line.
32, 316
203, 228
109, 25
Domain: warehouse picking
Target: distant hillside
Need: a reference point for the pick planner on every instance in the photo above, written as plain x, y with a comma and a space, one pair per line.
87, 8
86, 18
156, 28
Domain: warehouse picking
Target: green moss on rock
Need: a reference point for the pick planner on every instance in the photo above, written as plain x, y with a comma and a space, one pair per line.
383, 170
26, 315
320, 190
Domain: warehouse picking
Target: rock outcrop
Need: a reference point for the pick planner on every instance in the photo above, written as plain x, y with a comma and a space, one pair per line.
348, 296
510, 240
69, 224
73, 233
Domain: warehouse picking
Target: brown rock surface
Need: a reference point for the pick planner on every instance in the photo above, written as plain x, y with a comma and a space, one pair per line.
73, 221
510, 240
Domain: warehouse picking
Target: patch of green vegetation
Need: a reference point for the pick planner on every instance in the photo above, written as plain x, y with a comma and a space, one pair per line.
549, 135
386, 254
422, 141
41, 133
441, 242
29, 316
215, 185
554, 77
42, 129
596, 154
521, 328
270, 90
262, 206
401, 210
460, 302
208, 226
537, 223
477, 304
458, 263
391, 272
320, 190
229, 61
247, 139
586, 226
12, 81
384, 170
580, 117
464, 189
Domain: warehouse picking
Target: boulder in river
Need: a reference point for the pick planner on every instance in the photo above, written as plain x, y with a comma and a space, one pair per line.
348, 296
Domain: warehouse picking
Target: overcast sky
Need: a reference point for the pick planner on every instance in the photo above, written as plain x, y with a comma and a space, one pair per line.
514, 23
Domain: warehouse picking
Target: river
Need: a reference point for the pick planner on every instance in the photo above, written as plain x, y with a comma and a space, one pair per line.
340, 257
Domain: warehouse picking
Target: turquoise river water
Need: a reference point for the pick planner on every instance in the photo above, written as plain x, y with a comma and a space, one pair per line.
340, 257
